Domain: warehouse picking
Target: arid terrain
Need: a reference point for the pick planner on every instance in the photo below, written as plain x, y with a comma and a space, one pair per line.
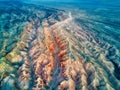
45, 48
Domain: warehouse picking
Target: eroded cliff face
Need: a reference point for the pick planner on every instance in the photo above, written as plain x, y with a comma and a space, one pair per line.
57, 54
